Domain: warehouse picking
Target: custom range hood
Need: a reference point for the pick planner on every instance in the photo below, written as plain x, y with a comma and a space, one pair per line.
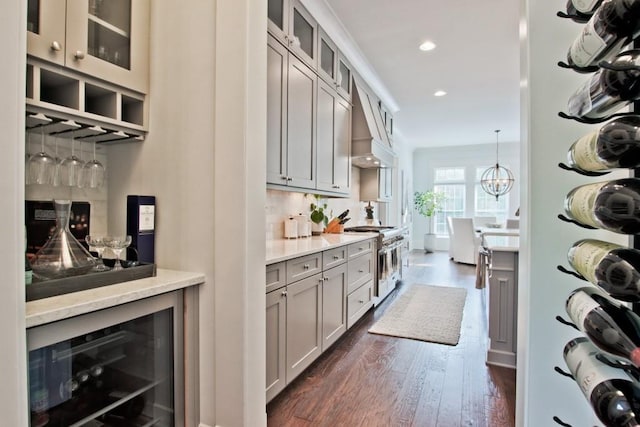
370, 144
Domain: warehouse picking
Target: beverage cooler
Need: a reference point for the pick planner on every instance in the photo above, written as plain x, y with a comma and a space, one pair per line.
117, 367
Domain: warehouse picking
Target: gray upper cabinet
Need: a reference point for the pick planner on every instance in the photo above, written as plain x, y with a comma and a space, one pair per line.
327, 58
291, 120
343, 77
104, 39
333, 141
292, 25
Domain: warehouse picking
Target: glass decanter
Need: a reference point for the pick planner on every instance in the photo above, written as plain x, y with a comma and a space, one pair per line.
62, 255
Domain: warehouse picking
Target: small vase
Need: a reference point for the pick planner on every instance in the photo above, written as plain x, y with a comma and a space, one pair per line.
62, 255
317, 228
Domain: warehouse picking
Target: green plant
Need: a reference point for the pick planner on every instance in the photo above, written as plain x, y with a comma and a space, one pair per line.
427, 203
318, 214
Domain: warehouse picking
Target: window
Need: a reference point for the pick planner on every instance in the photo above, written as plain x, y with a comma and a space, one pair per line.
486, 204
451, 182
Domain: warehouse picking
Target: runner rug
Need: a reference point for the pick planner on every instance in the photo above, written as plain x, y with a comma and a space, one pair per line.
425, 313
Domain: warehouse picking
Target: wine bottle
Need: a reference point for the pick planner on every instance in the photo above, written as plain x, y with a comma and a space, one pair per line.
611, 267
611, 205
610, 325
612, 26
607, 90
612, 393
614, 145
582, 10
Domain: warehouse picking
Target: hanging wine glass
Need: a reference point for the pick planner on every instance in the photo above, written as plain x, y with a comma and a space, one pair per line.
69, 170
41, 166
92, 172
58, 160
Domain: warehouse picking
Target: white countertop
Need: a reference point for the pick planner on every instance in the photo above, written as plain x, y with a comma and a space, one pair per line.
60, 307
502, 243
284, 249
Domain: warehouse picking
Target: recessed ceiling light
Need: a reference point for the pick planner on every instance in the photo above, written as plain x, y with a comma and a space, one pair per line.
376, 162
427, 46
440, 93
368, 159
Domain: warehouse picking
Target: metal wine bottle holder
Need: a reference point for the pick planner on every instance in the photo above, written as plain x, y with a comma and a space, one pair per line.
632, 370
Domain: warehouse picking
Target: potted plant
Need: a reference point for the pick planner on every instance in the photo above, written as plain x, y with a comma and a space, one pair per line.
428, 203
319, 218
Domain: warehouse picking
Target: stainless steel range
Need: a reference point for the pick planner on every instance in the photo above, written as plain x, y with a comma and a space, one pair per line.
389, 245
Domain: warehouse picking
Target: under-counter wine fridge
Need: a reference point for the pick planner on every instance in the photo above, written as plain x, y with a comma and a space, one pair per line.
116, 367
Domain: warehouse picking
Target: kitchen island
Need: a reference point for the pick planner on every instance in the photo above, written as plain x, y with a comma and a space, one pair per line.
502, 299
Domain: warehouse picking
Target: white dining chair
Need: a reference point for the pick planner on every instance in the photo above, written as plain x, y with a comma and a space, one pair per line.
465, 242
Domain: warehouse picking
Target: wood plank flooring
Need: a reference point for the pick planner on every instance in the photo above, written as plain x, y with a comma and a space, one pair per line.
375, 380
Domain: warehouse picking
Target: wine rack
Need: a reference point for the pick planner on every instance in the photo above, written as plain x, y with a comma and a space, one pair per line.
632, 371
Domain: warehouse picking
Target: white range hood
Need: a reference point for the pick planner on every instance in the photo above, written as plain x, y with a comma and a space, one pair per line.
370, 143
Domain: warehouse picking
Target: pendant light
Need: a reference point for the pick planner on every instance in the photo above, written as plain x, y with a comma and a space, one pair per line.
497, 180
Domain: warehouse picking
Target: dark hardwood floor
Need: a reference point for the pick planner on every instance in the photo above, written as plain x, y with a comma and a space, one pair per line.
375, 380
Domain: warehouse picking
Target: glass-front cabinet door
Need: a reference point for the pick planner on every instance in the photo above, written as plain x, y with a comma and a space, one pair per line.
116, 367
110, 38
107, 39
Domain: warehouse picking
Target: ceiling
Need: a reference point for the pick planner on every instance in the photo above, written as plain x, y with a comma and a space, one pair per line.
476, 62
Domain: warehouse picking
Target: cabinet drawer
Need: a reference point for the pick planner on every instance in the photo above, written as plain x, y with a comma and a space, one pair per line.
357, 249
360, 271
275, 276
359, 302
299, 268
334, 257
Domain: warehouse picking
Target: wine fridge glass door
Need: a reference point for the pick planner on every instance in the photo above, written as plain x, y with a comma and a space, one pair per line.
108, 368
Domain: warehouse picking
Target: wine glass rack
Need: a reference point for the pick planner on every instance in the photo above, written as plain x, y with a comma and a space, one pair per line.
633, 372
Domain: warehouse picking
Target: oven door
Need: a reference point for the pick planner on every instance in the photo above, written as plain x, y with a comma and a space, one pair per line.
389, 257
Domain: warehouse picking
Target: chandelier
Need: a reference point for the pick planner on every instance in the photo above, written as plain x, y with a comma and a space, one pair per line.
497, 180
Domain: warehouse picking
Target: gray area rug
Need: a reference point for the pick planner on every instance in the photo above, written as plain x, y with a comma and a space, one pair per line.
425, 313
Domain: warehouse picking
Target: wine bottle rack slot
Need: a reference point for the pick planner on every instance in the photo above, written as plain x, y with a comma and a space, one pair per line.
62, 94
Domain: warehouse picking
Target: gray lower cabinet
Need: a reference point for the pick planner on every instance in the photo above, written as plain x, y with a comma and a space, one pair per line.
304, 324
311, 301
503, 314
276, 342
334, 305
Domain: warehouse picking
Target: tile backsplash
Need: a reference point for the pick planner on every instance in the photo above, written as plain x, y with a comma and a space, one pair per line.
281, 204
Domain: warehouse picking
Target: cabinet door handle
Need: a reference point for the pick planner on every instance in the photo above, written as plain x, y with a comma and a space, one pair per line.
289, 178
306, 266
336, 186
284, 177
336, 257
360, 271
325, 278
55, 46
284, 294
361, 301
78, 55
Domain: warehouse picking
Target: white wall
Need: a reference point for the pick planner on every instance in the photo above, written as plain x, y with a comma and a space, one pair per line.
468, 156
13, 371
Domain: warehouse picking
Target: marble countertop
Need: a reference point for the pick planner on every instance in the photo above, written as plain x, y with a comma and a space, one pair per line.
502, 243
284, 249
60, 307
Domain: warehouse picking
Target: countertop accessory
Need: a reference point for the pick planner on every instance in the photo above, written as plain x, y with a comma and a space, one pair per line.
62, 255
290, 228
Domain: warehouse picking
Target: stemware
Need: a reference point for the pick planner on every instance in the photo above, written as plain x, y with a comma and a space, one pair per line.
93, 171
97, 243
69, 169
117, 244
41, 166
